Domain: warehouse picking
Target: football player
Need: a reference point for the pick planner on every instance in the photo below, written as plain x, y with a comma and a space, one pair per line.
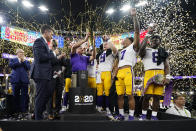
155, 60
106, 60
127, 60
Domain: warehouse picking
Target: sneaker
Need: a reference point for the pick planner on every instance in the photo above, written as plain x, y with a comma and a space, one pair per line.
110, 116
142, 117
154, 118
130, 118
119, 117
100, 109
64, 109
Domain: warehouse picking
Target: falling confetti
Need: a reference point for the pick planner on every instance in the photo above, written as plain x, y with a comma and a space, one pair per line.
175, 27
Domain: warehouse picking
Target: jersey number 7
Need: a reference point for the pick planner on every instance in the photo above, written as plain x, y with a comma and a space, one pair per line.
122, 53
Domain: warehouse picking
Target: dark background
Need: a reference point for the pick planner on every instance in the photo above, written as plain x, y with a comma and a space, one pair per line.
61, 8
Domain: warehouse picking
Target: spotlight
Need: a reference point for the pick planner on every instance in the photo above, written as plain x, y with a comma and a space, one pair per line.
12, 0
142, 3
125, 8
1, 20
110, 11
182, 92
43, 8
27, 4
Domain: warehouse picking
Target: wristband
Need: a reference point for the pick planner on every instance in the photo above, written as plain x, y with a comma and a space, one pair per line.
168, 76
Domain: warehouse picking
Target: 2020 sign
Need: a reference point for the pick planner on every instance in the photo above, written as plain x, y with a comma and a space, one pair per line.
84, 99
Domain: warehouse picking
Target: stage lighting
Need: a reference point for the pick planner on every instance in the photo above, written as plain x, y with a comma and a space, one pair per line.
142, 3
125, 8
1, 20
182, 92
27, 4
12, 0
43, 8
110, 11
191, 92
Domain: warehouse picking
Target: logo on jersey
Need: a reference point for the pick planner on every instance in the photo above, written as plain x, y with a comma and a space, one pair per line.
92, 63
102, 57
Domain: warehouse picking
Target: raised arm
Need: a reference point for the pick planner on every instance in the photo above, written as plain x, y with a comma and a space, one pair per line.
136, 30
94, 54
142, 50
76, 45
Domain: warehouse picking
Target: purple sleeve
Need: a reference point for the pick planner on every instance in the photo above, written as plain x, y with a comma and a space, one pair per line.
88, 59
72, 55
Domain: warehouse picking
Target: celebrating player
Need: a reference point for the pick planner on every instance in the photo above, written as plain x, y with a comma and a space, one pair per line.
155, 60
106, 60
127, 59
91, 68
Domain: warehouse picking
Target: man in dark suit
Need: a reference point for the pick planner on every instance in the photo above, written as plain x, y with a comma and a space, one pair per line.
20, 81
41, 70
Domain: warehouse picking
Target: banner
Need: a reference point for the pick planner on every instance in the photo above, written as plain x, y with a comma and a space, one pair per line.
24, 37
98, 41
20, 36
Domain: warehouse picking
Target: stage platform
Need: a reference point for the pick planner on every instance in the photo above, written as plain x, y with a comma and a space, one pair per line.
84, 117
94, 122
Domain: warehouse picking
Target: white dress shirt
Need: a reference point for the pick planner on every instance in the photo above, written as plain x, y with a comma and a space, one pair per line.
178, 111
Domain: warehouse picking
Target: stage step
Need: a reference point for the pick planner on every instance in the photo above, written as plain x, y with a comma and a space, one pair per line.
83, 117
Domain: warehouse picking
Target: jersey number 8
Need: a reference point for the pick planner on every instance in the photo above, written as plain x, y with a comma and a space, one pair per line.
155, 57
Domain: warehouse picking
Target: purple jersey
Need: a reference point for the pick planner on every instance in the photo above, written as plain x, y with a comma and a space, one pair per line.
79, 62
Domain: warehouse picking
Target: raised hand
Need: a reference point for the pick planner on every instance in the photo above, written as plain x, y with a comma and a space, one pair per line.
56, 51
61, 56
133, 12
166, 81
87, 36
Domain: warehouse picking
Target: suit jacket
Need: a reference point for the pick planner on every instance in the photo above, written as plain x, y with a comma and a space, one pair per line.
19, 71
42, 64
57, 66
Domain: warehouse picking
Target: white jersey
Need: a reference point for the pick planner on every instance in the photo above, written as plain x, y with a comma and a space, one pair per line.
106, 63
127, 56
91, 68
150, 60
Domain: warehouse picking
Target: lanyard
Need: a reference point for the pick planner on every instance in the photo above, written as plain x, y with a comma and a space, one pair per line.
179, 111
